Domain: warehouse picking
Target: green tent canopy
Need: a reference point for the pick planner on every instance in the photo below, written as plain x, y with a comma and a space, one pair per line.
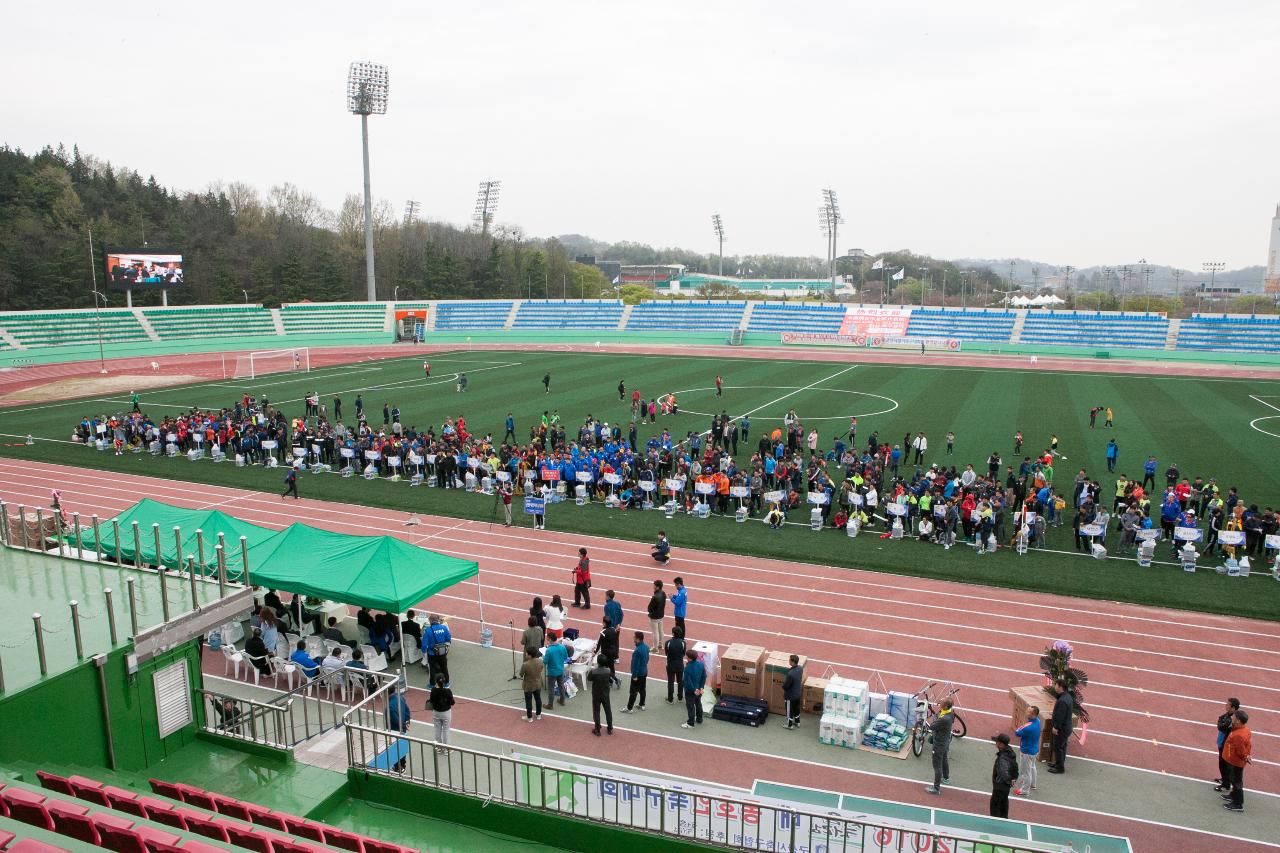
381, 572
210, 522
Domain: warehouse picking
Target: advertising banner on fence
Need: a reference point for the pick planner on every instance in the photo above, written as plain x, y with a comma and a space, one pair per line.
729, 818
833, 339
860, 320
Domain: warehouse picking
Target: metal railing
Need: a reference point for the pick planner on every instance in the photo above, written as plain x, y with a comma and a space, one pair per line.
312, 708
666, 810
245, 719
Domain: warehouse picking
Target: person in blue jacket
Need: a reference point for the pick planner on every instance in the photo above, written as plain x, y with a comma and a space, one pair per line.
612, 609
680, 603
1028, 752
695, 679
639, 673
1113, 453
554, 659
304, 661
435, 647
1149, 473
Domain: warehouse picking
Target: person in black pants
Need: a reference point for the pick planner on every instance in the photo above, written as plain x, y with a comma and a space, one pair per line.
1062, 727
793, 692
290, 485
600, 680
639, 673
607, 646
1223, 782
674, 650
1003, 774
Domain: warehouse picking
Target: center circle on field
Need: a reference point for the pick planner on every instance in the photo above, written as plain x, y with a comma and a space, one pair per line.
893, 404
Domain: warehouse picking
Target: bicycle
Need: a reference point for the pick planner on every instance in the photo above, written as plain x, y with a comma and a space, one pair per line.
926, 711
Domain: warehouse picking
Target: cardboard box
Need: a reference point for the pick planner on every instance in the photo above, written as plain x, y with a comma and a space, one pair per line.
742, 671
1025, 697
776, 666
814, 688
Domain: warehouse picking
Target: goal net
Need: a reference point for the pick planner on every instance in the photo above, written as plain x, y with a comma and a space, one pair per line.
254, 364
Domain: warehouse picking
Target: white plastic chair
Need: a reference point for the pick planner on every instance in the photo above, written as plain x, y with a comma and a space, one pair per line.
315, 646
376, 660
253, 668
280, 664
231, 657
232, 632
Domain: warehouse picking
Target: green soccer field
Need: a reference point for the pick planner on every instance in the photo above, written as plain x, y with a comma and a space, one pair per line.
1207, 427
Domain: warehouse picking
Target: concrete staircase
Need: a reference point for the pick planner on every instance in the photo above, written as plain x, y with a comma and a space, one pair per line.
389, 321
11, 340
1015, 336
511, 318
746, 316
1171, 339
146, 324
625, 318
277, 321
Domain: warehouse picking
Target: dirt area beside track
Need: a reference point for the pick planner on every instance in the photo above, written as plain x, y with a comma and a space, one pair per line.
85, 386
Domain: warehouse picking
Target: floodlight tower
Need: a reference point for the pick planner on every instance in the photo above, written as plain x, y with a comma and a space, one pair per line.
718, 225
367, 86
829, 222
486, 205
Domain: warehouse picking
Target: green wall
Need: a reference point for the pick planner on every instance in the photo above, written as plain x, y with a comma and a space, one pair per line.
60, 718
569, 833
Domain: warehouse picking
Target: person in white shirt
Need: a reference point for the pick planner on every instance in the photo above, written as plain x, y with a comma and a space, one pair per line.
332, 666
554, 614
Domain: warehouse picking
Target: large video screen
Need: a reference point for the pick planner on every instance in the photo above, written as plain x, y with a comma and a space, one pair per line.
130, 268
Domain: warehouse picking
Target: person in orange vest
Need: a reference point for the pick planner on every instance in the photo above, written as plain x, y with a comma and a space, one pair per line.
1237, 751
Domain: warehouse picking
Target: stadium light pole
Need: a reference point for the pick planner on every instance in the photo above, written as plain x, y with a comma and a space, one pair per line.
97, 317
1212, 268
367, 86
486, 205
830, 220
718, 224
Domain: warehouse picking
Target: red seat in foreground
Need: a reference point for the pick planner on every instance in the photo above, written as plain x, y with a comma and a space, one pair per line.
30, 845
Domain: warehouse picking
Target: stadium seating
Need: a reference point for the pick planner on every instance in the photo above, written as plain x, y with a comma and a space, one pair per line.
965, 324
567, 314
795, 317
128, 821
686, 316
1095, 329
55, 328
308, 318
472, 315
1237, 334
208, 321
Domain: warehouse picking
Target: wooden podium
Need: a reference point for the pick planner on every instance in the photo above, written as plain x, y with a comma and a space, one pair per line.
1025, 697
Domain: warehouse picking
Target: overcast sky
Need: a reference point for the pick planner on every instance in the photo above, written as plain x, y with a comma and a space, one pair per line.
1082, 133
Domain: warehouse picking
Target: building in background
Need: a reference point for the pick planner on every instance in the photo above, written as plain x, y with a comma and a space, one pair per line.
1271, 283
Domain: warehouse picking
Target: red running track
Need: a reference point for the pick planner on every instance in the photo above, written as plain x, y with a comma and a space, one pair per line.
1158, 677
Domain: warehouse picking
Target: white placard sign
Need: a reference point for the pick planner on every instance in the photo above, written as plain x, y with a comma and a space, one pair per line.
1149, 534
1272, 540
705, 488
647, 485
817, 498
393, 461
1231, 537
503, 476
299, 452
775, 496
673, 484
1188, 534
895, 509
1091, 530
473, 462
612, 478
372, 455
414, 459
583, 476
270, 444
740, 491
346, 452
431, 459
855, 499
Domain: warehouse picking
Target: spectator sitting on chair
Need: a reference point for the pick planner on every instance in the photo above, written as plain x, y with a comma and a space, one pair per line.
357, 662
272, 600
259, 654
332, 666
301, 615
304, 661
412, 628
333, 632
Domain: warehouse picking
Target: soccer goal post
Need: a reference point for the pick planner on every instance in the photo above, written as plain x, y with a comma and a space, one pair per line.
251, 365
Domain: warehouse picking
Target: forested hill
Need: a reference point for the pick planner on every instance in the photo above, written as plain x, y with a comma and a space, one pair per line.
238, 244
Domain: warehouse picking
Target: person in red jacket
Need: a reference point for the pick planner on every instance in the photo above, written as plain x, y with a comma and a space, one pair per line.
582, 581
1236, 752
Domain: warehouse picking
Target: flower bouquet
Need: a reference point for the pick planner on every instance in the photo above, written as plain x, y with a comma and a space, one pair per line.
1055, 663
